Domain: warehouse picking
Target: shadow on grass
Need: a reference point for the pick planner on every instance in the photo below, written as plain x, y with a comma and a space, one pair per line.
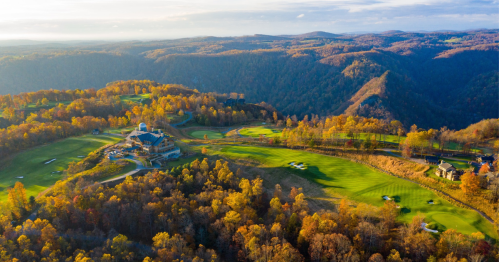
312, 173
405, 210
396, 199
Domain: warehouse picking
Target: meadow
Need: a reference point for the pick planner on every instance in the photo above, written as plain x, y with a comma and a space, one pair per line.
199, 134
260, 130
31, 164
362, 184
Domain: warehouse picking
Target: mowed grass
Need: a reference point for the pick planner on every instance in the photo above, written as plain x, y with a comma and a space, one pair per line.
37, 175
199, 134
142, 98
395, 139
362, 184
260, 130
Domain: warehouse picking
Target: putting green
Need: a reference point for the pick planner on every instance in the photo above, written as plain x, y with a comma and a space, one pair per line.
260, 130
360, 183
199, 134
38, 176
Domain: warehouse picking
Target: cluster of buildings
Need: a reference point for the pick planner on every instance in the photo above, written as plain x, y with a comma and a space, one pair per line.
151, 142
448, 171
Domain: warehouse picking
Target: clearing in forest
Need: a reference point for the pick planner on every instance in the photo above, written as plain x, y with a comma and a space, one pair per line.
199, 134
260, 130
38, 176
362, 184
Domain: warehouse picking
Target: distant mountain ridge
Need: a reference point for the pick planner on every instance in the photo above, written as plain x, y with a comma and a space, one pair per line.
315, 34
431, 79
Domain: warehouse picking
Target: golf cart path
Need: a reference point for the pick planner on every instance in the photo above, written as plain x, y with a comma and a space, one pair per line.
183, 122
140, 166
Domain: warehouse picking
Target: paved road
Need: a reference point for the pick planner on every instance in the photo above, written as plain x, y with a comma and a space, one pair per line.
140, 166
417, 160
185, 121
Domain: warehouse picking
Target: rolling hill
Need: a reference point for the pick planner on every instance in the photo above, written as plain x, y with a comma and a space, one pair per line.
431, 79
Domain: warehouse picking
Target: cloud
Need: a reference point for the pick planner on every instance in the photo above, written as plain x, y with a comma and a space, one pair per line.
162, 19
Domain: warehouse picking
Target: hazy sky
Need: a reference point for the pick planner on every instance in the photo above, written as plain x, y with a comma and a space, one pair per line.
156, 19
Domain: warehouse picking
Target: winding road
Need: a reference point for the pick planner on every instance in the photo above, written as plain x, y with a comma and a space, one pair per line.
185, 121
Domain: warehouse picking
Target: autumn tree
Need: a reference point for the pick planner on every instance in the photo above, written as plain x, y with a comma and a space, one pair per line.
17, 200
470, 183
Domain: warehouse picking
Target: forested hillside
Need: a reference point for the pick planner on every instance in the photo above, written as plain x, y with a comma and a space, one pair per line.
428, 79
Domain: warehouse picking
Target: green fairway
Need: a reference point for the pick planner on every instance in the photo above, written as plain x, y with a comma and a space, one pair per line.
360, 183
395, 139
119, 130
142, 98
38, 176
199, 134
260, 130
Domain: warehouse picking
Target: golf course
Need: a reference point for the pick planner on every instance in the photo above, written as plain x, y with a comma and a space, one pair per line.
362, 184
199, 134
42, 166
260, 130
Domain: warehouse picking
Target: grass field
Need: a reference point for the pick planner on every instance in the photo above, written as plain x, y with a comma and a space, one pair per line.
31, 163
260, 130
142, 98
119, 130
395, 139
363, 184
199, 134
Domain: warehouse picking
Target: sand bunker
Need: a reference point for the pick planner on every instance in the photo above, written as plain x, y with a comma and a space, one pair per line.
300, 166
423, 225
50, 161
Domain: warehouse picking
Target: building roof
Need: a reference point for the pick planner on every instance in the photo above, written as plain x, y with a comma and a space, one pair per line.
132, 148
431, 158
445, 165
153, 138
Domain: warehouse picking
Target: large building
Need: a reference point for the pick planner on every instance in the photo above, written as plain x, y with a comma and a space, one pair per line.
448, 171
152, 142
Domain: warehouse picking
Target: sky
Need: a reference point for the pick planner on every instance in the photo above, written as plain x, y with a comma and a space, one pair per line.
168, 19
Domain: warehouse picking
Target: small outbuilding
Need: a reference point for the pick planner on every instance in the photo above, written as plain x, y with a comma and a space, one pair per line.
485, 159
431, 160
95, 131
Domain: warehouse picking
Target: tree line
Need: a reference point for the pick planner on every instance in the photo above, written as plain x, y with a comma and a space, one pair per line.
207, 211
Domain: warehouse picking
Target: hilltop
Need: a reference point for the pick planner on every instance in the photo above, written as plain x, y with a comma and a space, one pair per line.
432, 74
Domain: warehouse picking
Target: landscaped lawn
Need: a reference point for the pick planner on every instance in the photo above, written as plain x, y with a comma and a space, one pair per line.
457, 164
38, 176
362, 184
199, 134
260, 130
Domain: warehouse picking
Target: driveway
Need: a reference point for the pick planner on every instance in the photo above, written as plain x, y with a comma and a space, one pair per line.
185, 121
